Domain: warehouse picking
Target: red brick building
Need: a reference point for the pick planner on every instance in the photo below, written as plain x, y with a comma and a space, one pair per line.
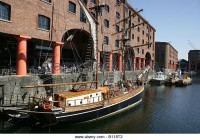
35, 31
166, 56
194, 60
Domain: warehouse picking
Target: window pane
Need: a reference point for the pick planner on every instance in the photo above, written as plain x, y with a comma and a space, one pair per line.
106, 23
82, 16
117, 28
85, 1
117, 43
93, 1
49, 1
43, 22
72, 7
107, 8
106, 40
5, 11
118, 15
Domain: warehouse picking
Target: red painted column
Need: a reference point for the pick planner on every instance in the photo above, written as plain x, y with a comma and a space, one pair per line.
143, 63
134, 63
98, 60
139, 63
56, 57
110, 62
21, 55
120, 62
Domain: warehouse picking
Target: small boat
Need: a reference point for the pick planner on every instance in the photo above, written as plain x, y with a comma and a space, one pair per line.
184, 81
158, 79
172, 79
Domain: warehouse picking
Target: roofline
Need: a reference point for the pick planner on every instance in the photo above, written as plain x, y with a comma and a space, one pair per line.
131, 7
166, 44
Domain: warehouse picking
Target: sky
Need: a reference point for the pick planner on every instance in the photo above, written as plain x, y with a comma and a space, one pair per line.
175, 21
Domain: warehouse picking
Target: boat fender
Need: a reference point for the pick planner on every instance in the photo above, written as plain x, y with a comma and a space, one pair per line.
46, 105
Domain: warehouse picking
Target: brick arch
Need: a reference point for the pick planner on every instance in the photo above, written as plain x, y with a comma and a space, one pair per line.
148, 60
78, 46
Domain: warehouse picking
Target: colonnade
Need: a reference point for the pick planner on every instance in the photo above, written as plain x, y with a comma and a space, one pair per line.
21, 66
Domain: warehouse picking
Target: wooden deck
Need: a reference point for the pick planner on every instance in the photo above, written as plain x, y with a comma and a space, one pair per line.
117, 97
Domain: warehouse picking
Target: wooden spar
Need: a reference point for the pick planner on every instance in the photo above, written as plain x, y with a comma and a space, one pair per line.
58, 84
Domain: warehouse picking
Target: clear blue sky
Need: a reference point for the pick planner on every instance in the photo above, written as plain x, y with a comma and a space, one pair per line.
175, 21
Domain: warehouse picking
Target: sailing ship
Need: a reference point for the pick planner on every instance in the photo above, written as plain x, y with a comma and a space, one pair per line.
80, 105
83, 104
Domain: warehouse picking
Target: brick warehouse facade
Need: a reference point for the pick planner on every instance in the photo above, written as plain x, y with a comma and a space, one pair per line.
166, 56
194, 60
33, 31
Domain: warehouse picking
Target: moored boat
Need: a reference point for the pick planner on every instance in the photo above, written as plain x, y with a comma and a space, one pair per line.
158, 79
172, 79
184, 81
81, 105
85, 105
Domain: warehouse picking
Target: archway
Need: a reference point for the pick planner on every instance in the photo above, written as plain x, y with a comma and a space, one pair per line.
77, 50
148, 60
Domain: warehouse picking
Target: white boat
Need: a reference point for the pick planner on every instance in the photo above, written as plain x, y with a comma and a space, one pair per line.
159, 78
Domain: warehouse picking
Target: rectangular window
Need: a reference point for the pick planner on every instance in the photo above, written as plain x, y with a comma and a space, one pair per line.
142, 51
118, 15
106, 23
118, 2
49, 1
107, 8
117, 43
138, 19
126, 21
72, 7
132, 36
84, 1
138, 39
106, 41
117, 28
82, 16
43, 22
138, 29
93, 1
138, 50
5, 11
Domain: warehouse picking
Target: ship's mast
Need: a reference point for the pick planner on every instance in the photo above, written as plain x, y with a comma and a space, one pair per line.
93, 21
